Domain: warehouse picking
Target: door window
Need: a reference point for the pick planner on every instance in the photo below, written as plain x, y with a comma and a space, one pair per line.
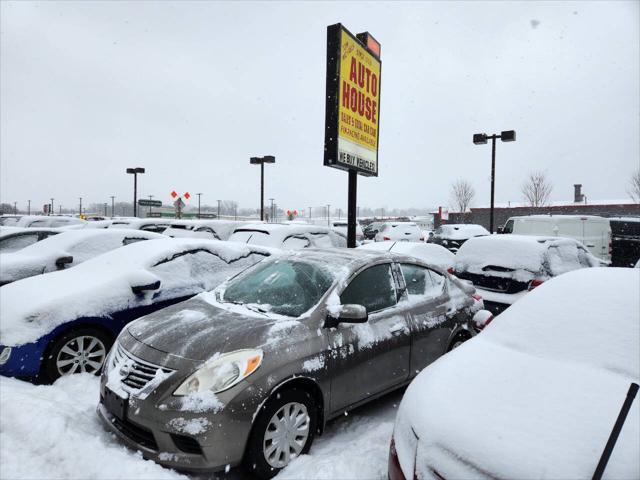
17, 242
374, 289
421, 282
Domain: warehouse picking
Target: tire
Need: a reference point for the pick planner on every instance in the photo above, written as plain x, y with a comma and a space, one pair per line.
457, 341
82, 350
262, 457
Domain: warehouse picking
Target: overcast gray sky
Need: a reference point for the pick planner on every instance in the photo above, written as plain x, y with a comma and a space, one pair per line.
191, 90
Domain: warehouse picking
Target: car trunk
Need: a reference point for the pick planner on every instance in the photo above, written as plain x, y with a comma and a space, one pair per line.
496, 279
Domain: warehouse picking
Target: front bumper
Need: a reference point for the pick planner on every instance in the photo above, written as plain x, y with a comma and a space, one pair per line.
160, 428
23, 360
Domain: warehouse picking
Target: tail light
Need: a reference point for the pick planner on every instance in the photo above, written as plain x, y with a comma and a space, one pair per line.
451, 270
476, 297
394, 470
386, 238
536, 282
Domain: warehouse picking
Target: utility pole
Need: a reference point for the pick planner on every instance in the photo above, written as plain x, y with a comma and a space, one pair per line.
105, 209
328, 212
51, 209
15, 208
271, 210
113, 206
29, 207
309, 212
219, 208
150, 198
80, 214
60, 209
199, 195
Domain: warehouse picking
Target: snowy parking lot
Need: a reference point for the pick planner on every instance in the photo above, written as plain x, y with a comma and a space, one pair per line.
55, 429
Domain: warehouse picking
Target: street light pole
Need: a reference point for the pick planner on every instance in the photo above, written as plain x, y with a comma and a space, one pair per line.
15, 208
218, 207
105, 209
150, 198
271, 210
481, 139
261, 161
80, 214
29, 207
135, 171
328, 211
113, 206
199, 195
51, 209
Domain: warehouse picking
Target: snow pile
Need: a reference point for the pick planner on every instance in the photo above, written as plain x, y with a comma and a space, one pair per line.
429, 253
53, 432
200, 402
290, 236
194, 426
313, 364
547, 378
461, 231
103, 285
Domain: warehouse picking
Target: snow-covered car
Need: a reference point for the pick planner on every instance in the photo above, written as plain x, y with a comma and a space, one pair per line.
453, 236
536, 394
399, 232
65, 250
341, 226
252, 370
157, 225
427, 252
13, 239
9, 220
504, 268
211, 229
64, 322
292, 236
51, 221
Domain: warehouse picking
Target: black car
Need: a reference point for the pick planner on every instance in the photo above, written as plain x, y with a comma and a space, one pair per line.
625, 241
452, 236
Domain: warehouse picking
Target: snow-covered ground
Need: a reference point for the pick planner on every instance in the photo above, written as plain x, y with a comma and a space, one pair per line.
53, 432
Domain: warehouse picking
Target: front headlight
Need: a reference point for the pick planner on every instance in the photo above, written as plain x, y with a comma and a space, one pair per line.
222, 373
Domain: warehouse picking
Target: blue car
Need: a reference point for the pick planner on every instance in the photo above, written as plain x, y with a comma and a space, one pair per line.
64, 322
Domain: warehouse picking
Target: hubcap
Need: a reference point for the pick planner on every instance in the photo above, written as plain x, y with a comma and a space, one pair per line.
83, 354
286, 434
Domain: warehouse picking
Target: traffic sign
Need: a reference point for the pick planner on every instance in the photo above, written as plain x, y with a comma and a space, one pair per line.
174, 194
187, 195
149, 203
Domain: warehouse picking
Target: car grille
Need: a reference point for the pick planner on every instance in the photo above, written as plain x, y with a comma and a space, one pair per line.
141, 372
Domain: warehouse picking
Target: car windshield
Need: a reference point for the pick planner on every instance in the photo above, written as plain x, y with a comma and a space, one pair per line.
285, 287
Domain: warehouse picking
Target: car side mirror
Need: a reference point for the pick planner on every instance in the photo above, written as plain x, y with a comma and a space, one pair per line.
63, 261
349, 313
500, 230
139, 289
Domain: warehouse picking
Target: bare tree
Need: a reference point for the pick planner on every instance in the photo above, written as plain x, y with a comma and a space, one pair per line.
634, 187
537, 189
463, 193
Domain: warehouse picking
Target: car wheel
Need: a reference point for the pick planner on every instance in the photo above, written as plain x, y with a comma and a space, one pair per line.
459, 340
283, 431
78, 351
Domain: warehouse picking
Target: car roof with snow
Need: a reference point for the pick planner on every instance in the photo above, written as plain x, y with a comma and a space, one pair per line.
461, 231
90, 287
547, 378
429, 253
135, 222
48, 221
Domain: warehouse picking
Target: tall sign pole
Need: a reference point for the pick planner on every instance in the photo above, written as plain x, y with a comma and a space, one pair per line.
352, 113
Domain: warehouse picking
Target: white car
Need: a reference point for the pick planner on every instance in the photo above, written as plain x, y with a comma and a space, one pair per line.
452, 236
399, 232
209, 229
64, 251
51, 221
157, 225
536, 394
288, 236
341, 226
504, 268
427, 252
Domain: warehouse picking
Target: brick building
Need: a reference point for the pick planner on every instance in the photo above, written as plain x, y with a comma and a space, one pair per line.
580, 206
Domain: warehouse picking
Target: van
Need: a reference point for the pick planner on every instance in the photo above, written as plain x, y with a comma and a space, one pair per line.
594, 232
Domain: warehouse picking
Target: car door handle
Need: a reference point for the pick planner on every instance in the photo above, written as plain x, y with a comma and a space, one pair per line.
396, 329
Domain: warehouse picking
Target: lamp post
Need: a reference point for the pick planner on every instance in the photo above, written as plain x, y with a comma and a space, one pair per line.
15, 208
80, 211
113, 206
271, 210
29, 207
105, 209
51, 209
328, 211
218, 207
481, 139
261, 161
199, 195
150, 198
135, 171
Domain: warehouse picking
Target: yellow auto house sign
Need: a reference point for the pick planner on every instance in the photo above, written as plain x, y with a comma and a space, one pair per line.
353, 101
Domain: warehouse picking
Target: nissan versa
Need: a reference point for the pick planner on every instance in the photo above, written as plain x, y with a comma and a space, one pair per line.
248, 373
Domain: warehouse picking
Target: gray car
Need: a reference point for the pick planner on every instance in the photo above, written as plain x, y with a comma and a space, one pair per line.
249, 372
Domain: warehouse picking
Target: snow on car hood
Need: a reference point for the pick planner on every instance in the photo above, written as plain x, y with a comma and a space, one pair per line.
32, 307
537, 393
